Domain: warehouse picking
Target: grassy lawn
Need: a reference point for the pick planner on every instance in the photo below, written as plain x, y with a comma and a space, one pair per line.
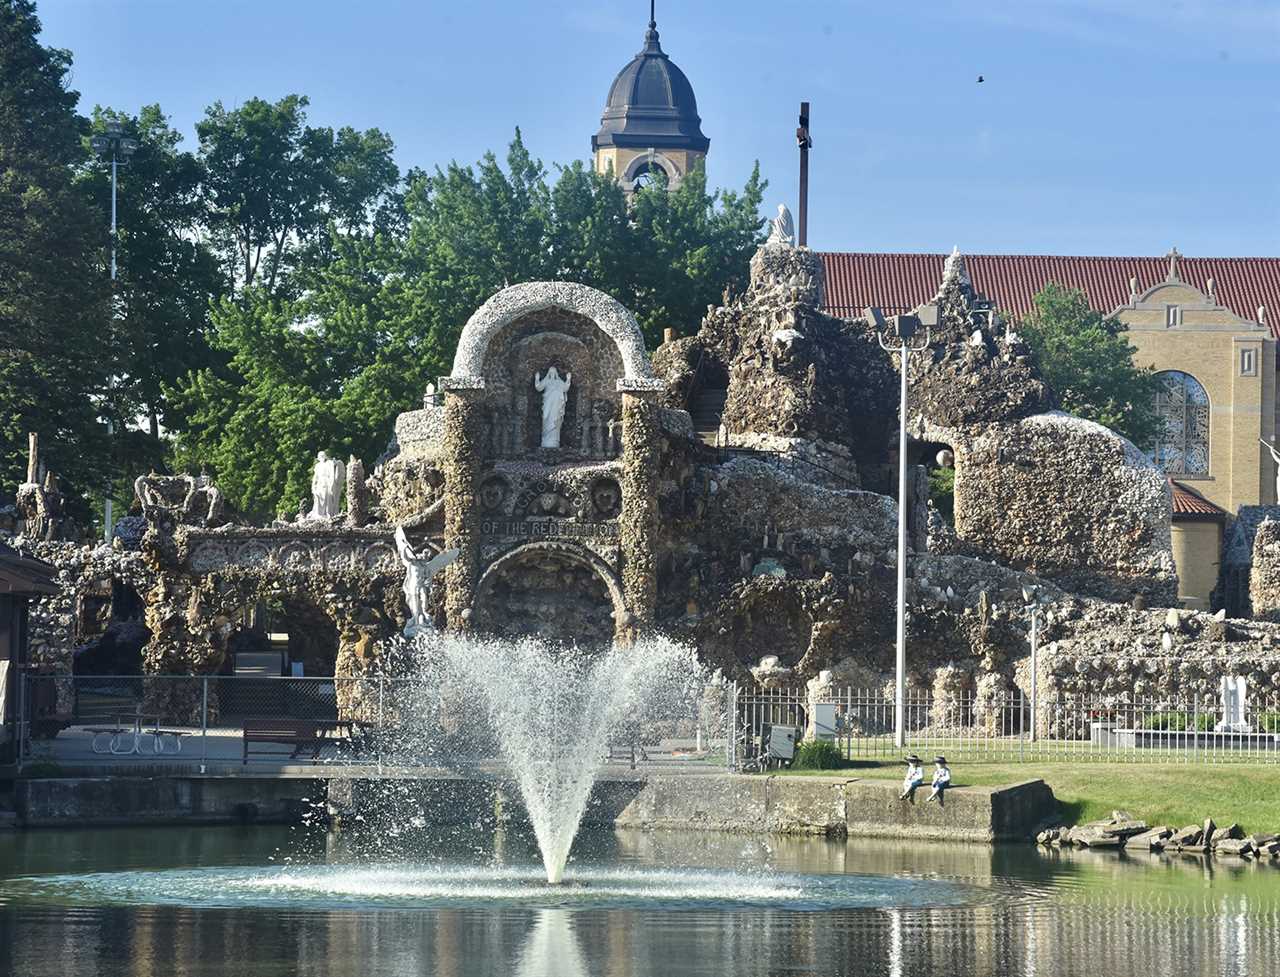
1173, 794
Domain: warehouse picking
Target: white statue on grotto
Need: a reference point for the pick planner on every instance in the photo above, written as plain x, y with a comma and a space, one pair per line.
782, 230
327, 480
419, 569
555, 391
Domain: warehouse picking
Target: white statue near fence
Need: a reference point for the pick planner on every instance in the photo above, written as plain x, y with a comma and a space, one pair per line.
555, 391
1232, 690
327, 480
418, 571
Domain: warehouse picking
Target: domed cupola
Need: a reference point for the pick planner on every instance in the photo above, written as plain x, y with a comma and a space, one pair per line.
650, 119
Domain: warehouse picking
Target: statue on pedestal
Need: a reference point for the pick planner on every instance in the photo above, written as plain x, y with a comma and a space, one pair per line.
418, 571
326, 487
781, 229
555, 391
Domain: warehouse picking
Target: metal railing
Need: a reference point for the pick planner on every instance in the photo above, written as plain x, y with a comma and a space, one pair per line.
223, 720
1001, 727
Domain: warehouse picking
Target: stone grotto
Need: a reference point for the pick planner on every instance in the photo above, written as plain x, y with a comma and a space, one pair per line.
734, 490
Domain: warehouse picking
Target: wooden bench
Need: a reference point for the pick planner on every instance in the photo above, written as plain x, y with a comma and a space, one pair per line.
301, 734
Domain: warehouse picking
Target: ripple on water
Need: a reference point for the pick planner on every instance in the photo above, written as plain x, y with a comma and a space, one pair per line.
431, 886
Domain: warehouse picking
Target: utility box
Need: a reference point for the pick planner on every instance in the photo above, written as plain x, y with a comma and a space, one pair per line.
824, 722
780, 742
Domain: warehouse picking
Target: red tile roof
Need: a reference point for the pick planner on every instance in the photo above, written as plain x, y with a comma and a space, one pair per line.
899, 282
1188, 502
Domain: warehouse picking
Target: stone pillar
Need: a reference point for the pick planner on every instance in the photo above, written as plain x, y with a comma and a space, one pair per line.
638, 523
461, 462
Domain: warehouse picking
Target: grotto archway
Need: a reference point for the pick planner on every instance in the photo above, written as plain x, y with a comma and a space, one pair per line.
558, 591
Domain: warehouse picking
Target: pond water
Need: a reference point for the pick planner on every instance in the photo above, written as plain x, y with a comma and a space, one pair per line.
182, 902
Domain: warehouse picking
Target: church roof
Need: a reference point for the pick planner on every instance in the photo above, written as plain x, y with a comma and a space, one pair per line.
651, 104
900, 282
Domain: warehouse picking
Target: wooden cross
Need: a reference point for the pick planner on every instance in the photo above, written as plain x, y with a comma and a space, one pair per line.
805, 142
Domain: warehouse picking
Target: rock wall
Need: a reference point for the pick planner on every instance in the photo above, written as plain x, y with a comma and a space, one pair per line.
89, 578
1068, 500
1264, 571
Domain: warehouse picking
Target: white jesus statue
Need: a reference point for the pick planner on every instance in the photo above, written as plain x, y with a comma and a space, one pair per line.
555, 391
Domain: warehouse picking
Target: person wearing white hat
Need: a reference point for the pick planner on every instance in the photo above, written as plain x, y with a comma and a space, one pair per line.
941, 778
913, 779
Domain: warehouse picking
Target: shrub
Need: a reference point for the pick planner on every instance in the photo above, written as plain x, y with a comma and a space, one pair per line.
817, 755
1269, 722
1179, 721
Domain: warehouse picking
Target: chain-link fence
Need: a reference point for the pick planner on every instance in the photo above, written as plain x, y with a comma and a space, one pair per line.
1002, 727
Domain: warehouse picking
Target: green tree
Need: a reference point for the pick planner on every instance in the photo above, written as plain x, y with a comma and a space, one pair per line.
56, 355
276, 185
1086, 357
167, 273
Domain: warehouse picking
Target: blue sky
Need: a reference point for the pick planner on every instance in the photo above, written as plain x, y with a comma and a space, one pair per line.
1103, 126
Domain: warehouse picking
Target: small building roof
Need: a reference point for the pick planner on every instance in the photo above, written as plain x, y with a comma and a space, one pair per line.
1189, 505
900, 282
21, 574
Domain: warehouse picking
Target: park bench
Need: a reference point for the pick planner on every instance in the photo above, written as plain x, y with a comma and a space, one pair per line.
301, 734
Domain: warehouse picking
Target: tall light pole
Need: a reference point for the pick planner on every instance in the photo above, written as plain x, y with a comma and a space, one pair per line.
905, 327
1031, 595
117, 147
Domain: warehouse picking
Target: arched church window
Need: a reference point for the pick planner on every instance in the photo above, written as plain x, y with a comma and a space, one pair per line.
647, 174
1182, 446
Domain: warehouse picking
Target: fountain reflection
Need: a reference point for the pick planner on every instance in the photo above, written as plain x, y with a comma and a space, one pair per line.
551, 948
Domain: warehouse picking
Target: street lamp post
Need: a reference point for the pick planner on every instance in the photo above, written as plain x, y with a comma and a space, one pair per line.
1031, 596
905, 327
117, 147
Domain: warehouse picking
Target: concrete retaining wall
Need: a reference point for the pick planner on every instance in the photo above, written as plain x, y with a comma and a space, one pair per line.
85, 801
833, 806
715, 801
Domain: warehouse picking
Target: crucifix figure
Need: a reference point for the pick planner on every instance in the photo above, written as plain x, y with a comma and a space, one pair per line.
555, 391
805, 141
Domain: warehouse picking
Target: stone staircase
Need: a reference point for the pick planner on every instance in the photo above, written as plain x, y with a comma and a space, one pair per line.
706, 411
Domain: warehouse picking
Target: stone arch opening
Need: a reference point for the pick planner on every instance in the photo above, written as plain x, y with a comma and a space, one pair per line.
516, 301
941, 467
280, 635
556, 591
109, 622
646, 167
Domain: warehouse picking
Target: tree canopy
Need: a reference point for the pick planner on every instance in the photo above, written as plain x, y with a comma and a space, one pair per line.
374, 312
1087, 358
54, 363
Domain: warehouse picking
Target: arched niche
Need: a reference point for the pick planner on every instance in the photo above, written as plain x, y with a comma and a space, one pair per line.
558, 591
470, 366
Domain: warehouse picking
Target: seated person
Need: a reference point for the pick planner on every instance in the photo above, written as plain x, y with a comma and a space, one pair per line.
913, 779
941, 778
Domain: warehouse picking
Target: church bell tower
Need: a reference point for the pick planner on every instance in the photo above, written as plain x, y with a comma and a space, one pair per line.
650, 120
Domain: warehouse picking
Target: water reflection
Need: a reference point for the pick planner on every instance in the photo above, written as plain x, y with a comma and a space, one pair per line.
552, 948
1040, 913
